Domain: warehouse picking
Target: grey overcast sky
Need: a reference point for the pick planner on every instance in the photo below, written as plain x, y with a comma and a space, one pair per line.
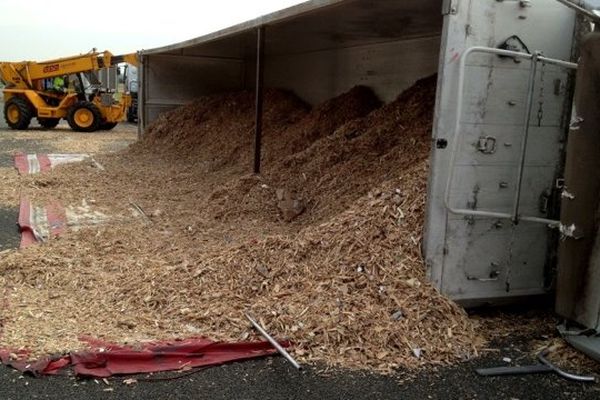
39, 30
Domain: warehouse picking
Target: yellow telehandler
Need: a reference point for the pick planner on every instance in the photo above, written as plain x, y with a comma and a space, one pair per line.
31, 90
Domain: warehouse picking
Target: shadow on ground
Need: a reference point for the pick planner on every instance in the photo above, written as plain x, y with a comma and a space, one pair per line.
9, 232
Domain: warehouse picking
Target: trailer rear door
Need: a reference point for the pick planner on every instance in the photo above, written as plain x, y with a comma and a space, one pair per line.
488, 257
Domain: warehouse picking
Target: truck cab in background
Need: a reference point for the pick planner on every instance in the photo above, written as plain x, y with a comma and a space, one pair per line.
130, 80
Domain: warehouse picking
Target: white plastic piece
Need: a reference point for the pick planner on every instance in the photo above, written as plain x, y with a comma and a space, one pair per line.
567, 231
566, 195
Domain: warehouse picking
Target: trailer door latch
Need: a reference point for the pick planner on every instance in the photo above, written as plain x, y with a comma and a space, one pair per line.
487, 144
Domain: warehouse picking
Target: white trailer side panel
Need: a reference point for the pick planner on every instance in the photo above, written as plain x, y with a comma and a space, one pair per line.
476, 260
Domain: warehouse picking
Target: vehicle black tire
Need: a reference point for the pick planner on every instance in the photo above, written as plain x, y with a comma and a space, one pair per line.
107, 126
18, 113
48, 123
84, 117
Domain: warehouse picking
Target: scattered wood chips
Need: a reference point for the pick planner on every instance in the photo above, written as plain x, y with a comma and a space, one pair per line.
9, 187
65, 140
343, 278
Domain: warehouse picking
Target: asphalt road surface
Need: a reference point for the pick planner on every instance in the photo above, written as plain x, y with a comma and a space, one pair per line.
274, 378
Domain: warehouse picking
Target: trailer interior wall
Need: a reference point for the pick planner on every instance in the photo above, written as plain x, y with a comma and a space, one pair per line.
388, 68
171, 80
318, 50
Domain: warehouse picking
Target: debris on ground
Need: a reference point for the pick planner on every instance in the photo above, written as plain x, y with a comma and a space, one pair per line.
9, 187
324, 245
567, 357
543, 365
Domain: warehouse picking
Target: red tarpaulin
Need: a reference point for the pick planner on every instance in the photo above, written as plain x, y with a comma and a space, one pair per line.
108, 359
43, 222
38, 224
38, 163
32, 163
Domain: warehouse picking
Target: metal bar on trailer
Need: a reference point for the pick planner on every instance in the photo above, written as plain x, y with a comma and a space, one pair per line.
580, 9
558, 63
459, 110
545, 221
260, 70
143, 88
523, 155
524, 370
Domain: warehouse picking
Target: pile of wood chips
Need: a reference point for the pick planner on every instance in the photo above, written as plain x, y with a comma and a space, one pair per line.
343, 278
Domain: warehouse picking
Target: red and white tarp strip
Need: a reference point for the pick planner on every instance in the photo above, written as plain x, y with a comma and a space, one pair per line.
36, 163
41, 223
38, 224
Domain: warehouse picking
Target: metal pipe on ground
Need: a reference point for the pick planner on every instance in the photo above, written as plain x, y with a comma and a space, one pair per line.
544, 367
274, 342
564, 374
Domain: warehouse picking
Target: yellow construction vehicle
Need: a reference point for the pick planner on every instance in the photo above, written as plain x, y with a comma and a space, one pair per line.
36, 89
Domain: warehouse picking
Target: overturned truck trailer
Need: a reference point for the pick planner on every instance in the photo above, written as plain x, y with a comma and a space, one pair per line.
500, 169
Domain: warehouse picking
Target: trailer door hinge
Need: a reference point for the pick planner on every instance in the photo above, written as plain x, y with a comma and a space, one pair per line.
450, 7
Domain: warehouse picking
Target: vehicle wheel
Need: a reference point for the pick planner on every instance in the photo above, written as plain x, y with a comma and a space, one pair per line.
18, 113
107, 126
84, 117
48, 123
